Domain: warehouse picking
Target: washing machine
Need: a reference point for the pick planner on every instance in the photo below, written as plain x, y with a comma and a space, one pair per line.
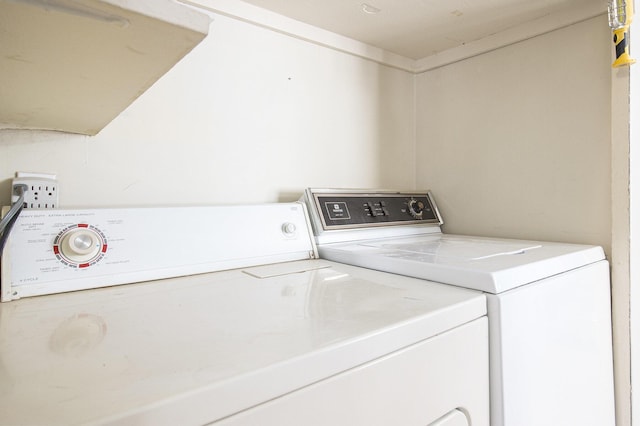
548, 303
225, 316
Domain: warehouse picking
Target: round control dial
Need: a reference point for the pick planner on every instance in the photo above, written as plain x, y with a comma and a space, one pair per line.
80, 245
416, 207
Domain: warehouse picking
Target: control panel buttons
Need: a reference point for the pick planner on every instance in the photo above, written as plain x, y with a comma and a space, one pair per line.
375, 209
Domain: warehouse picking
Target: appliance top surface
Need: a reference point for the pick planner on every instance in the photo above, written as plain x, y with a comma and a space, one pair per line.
399, 232
488, 264
210, 344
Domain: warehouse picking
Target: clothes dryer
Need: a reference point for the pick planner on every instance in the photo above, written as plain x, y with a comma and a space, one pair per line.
548, 303
224, 315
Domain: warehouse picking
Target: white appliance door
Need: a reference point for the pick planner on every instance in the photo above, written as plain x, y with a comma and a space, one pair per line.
414, 386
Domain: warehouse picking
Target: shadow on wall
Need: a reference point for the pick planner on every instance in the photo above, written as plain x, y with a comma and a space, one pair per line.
5, 192
289, 196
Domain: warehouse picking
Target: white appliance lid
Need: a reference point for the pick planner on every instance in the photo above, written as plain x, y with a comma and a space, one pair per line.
488, 264
444, 248
195, 349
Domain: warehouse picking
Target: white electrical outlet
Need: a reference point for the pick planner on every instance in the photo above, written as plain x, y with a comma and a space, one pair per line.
41, 193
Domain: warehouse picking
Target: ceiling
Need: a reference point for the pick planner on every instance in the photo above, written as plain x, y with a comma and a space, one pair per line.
420, 28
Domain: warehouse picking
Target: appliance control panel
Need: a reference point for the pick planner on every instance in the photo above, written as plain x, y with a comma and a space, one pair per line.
53, 251
349, 209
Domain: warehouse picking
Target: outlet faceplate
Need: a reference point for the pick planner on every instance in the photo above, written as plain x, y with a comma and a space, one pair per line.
41, 193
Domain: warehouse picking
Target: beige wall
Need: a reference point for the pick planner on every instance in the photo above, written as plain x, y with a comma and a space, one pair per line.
250, 115
634, 224
516, 142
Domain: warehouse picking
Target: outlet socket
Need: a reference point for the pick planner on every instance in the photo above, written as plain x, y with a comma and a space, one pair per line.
41, 193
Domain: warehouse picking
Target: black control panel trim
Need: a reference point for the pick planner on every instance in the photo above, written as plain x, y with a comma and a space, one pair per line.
351, 210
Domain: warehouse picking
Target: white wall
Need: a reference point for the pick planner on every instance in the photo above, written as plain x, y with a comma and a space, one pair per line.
250, 115
516, 142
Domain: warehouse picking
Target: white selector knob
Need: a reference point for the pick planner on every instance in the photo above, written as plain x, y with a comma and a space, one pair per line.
81, 245
416, 207
289, 229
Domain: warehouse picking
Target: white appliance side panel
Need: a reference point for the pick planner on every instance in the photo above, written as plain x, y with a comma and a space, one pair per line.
412, 387
141, 244
551, 351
